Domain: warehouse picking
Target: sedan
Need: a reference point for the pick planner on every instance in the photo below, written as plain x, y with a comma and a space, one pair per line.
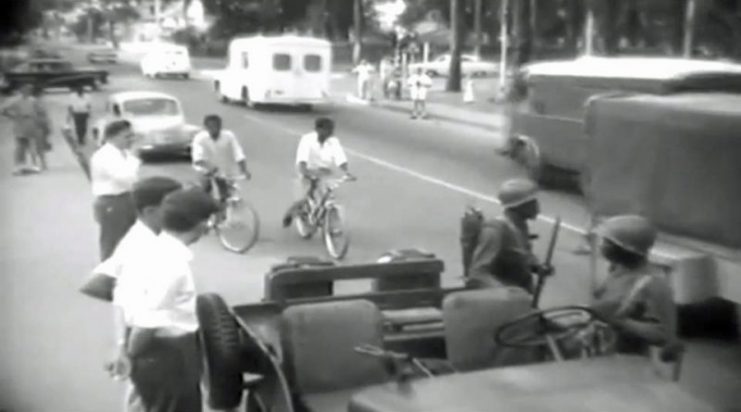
470, 65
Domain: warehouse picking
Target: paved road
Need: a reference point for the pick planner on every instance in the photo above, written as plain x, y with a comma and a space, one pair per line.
415, 178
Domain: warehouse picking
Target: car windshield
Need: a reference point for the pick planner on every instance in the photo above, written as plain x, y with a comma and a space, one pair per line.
151, 107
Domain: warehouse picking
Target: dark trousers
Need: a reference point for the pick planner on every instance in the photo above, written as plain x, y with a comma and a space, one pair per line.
166, 375
22, 149
80, 120
115, 214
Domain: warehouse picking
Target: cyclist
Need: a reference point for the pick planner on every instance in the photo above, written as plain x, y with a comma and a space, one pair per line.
318, 153
217, 155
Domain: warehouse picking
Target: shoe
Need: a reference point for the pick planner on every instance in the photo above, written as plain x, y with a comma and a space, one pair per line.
287, 220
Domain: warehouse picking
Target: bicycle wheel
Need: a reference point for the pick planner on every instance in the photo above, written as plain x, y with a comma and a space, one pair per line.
302, 223
239, 231
336, 235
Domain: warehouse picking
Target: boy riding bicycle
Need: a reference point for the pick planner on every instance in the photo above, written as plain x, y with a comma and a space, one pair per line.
318, 153
217, 155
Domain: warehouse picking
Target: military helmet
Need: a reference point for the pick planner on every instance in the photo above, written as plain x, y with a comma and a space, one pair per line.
631, 232
516, 192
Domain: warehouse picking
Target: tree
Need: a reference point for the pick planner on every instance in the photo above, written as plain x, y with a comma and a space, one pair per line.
358, 34
456, 43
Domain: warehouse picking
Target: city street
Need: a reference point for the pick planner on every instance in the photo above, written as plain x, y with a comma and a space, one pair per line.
415, 178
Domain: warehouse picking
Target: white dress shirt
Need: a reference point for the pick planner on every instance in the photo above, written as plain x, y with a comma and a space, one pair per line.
418, 86
223, 152
132, 251
320, 156
113, 171
80, 104
154, 284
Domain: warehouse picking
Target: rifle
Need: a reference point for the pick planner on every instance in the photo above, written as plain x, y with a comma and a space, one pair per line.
547, 262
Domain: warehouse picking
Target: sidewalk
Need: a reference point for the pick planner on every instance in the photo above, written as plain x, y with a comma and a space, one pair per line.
54, 339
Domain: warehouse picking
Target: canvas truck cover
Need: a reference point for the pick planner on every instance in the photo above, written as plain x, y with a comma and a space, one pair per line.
675, 159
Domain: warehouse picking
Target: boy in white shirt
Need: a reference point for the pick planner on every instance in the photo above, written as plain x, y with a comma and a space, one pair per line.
419, 83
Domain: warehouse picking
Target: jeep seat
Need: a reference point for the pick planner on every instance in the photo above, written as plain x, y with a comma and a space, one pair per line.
471, 319
319, 342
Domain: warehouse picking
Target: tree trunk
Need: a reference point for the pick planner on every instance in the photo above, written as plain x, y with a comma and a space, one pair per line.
689, 28
574, 23
522, 41
454, 75
357, 51
477, 27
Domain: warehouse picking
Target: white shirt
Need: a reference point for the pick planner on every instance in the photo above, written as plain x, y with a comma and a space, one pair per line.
223, 152
418, 85
317, 155
154, 284
133, 249
363, 71
113, 171
80, 104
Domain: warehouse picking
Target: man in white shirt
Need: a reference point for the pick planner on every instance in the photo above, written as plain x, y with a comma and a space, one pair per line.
113, 172
318, 153
419, 83
216, 154
364, 71
79, 112
157, 297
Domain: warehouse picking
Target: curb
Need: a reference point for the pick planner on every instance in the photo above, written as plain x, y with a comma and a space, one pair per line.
437, 115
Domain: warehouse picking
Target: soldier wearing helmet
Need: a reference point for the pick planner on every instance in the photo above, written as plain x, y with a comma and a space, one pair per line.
503, 254
635, 299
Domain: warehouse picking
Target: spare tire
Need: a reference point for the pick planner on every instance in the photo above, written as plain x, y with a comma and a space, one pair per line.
221, 345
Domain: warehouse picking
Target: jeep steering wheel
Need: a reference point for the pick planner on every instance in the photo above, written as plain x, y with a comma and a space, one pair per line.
545, 328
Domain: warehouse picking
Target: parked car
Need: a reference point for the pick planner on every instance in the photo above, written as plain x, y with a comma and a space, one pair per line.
157, 119
470, 65
49, 73
102, 55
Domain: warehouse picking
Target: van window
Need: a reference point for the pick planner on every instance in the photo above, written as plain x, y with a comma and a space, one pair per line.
245, 60
281, 62
312, 63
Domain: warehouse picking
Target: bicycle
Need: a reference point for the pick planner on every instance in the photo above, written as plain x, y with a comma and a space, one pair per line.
327, 215
237, 224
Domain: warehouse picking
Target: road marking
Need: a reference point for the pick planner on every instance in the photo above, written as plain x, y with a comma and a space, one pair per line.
421, 176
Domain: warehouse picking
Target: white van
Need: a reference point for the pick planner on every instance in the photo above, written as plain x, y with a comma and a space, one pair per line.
289, 70
166, 59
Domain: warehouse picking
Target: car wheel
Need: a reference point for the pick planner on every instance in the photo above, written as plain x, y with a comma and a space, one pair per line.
221, 345
186, 76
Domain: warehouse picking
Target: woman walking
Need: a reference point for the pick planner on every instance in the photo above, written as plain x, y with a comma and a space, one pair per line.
40, 137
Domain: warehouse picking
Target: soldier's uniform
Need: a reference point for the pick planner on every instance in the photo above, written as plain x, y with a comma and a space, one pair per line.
503, 255
639, 294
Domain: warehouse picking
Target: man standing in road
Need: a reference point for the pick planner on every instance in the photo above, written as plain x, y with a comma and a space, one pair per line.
24, 112
79, 112
419, 83
363, 71
318, 153
157, 295
113, 172
503, 255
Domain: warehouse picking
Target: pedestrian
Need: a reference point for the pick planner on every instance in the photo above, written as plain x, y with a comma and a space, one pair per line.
40, 143
113, 172
468, 93
419, 83
386, 69
363, 72
100, 126
80, 108
157, 296
503, 254
22, 110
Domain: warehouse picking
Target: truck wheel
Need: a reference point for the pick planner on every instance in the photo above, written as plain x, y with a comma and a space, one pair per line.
527, 153
221, 346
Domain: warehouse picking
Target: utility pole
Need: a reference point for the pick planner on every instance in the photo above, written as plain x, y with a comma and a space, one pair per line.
477, 6
503, 46
689, 28
454, 75
357, 50
589, 32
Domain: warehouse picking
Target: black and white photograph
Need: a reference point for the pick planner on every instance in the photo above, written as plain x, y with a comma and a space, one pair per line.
370, 205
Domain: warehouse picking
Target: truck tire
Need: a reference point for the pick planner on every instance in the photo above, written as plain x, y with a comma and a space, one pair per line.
221, 346
527, 153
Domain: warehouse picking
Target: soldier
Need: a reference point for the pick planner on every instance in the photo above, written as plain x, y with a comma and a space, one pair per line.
503, 255
635, 299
